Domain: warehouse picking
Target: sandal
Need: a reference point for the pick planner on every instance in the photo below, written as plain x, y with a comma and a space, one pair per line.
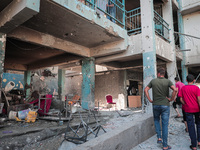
159, 141
178, 117
193, 148
169, 147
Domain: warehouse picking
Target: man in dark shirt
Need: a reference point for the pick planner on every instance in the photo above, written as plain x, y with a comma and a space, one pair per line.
161, 106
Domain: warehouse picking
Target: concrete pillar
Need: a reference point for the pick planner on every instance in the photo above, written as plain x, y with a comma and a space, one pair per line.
168, 17
122, 92
124, 88
61, 84
27, 80
88, 84
182, 42
2, 58
148, 46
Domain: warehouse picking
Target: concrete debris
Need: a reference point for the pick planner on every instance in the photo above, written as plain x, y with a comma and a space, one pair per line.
124, 113
67, 145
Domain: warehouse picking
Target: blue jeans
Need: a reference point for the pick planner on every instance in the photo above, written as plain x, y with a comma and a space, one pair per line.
191, 128
164, 112
112, 13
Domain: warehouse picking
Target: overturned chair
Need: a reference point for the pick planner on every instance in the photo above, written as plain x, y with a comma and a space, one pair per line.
80, 134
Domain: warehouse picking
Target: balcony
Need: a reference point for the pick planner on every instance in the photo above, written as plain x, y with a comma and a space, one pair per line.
133, 21
114, 10
161, 26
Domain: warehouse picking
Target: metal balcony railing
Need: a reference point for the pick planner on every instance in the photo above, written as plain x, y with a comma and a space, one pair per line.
161, 26
133, 21
114, 10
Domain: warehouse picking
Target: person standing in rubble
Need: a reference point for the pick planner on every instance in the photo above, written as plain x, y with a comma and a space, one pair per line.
190, 98
161, 104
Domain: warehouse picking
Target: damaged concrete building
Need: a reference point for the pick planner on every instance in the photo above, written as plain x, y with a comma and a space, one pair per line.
97, 52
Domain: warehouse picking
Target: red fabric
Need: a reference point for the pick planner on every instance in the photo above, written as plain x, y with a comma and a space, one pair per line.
179, 85
189, 93
35, 101
109, 99
42, 103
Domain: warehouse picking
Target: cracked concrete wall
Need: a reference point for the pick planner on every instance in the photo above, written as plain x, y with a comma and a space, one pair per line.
164, 49
108, 82
113, 83
73, 85
191, 26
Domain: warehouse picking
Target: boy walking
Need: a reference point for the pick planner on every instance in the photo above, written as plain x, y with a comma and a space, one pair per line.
190, 98
177, 101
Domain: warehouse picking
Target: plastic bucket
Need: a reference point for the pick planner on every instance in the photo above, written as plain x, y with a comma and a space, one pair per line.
22, 114
12, 115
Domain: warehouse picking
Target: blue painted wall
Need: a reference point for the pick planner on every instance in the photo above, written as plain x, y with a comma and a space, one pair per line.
13, 81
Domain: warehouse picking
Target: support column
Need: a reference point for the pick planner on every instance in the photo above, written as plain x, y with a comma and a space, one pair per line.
2, 58
61, 84
182, 42
168, 17
88, 84
148, 47
27, 80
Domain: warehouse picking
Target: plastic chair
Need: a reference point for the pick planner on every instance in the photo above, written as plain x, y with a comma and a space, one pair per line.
110, 100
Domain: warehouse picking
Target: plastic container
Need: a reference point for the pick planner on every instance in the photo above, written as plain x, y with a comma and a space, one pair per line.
31, 117
12, 115
60, 123
22, 114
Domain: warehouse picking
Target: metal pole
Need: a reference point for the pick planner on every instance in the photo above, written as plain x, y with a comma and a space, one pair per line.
187, 35
124, 15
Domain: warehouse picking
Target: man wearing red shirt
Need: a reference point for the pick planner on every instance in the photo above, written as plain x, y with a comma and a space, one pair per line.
190, 98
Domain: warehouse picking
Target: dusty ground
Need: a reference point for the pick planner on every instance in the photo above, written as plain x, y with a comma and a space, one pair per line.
49, 135
178, 139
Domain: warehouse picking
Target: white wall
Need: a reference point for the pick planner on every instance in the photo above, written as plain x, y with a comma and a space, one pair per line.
192, 27
163, 49
186, 3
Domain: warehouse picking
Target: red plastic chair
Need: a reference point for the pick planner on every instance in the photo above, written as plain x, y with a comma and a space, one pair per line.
110, 100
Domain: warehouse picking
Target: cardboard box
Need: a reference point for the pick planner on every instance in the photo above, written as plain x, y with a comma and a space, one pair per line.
134, 101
